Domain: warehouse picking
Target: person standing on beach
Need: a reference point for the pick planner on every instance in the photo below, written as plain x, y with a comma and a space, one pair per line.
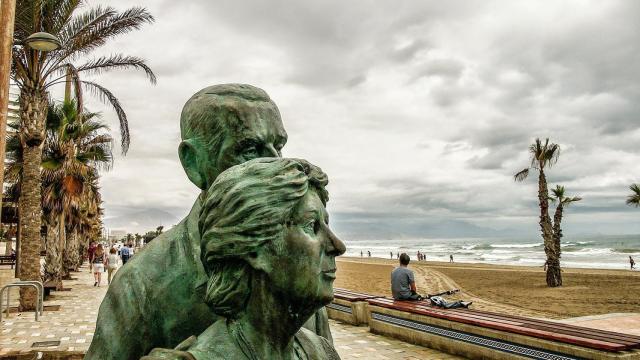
361, 253
391, 254
451, 258
633, 263
403, 283
369, 253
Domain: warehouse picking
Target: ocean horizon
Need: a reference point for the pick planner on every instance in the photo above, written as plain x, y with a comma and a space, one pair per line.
597, 251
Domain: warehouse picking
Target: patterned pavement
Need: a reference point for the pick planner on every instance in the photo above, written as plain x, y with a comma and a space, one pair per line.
73, 325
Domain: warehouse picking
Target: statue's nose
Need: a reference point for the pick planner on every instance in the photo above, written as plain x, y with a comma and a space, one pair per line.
272, 151
335, 246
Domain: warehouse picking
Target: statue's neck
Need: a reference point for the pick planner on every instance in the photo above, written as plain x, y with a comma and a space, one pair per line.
268, 325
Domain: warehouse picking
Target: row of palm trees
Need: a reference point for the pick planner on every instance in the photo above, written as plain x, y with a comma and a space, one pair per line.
59, 163
76, 145
544, 156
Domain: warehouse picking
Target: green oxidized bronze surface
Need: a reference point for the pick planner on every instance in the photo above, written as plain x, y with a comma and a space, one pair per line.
158, 298
270, 257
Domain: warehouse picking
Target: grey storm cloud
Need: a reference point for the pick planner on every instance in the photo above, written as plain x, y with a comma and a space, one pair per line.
419, 111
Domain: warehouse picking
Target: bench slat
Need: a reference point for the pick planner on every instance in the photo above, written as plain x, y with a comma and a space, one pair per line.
560, 326
501, 325
550, 326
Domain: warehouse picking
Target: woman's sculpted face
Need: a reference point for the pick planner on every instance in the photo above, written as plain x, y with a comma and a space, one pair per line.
266, 219
305, 257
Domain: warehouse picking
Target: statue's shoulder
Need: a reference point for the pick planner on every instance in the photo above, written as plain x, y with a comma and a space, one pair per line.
152, 263
215, 343
315, 346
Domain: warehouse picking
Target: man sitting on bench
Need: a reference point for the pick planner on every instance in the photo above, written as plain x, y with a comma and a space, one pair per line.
403, 284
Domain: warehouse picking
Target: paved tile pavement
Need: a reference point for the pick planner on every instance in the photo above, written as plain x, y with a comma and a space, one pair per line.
73, 325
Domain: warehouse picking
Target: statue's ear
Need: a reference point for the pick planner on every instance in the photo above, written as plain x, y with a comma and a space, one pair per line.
188, 153
258, 260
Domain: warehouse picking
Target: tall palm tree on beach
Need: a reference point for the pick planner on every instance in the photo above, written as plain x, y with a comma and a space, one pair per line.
634, 198
562, 201
36, 72
544, 155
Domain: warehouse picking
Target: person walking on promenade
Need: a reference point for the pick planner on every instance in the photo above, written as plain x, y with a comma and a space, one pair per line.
90, 252
99, 259
633, 263
403, 283
451, 258
112, 263
124, 254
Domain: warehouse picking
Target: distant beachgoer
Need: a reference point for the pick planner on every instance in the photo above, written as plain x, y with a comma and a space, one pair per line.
403, 283
99, 259
361, 254
450, 258
112, 263
90, 252
633, 263
397, 255
369, 253
124, 254
391, 254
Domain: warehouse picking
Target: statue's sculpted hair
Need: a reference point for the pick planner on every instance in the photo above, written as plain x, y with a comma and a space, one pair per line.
247, 207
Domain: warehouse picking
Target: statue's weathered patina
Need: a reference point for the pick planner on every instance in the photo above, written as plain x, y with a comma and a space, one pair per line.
158, 298
270, 257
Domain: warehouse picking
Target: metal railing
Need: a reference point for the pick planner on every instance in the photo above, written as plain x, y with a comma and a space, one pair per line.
34, 284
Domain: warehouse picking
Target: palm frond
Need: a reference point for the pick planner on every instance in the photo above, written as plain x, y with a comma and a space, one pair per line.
114, 62
521, 175
558, 192
107, 97
634, 198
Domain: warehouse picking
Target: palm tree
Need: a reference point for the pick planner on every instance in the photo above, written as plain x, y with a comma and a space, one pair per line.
544, 156
634, 198
562, 201
76, 146
36, 72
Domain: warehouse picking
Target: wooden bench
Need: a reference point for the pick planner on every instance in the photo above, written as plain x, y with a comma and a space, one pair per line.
349, 307
8, 260
488, 335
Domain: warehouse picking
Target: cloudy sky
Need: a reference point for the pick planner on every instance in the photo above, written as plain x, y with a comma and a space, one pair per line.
419, 111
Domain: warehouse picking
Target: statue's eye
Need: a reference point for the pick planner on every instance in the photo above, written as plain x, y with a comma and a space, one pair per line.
250, 151
309, 227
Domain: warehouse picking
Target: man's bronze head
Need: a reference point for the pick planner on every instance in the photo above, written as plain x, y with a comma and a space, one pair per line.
226, 125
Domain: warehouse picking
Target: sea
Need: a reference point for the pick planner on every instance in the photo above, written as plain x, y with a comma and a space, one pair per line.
599, 252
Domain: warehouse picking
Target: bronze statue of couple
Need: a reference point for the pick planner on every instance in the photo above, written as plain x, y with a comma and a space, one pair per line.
247, 273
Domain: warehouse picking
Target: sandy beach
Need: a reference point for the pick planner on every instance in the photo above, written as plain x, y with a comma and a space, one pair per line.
513, 289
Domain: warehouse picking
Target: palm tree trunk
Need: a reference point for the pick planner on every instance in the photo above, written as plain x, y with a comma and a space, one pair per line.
553, 270
33, 108
557, 235
53, 259
72, 254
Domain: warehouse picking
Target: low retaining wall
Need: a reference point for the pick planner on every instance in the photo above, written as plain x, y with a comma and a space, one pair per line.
350, 312
471, 341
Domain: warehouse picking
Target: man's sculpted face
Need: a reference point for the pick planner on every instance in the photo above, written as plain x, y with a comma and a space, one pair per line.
254, 131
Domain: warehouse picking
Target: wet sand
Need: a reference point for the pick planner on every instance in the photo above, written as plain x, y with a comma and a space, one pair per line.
513, 289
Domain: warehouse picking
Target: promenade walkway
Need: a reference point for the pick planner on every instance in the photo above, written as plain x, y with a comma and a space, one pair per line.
71, 327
